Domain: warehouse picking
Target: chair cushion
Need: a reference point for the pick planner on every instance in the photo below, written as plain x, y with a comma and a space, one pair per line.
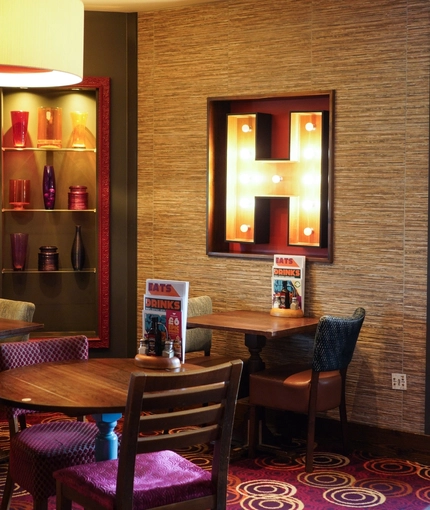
41, 449
287, 387
160, 478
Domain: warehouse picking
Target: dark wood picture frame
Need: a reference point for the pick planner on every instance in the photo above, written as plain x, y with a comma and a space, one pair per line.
272, 221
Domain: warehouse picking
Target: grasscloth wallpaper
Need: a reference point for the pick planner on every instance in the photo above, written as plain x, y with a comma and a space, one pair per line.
375, 55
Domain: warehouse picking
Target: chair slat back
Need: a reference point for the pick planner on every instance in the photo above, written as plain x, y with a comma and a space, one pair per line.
185, 418
335, 341
199, 405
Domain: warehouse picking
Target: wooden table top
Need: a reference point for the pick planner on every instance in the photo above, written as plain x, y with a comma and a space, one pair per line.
11, 327
253, 322
76, 387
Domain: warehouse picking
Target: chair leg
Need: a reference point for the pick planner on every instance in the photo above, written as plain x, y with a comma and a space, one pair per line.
40, 504
344, 425
22, 421
310, 442
311, 422
254, 416
63, 503
7, 492
342, 413
14, 427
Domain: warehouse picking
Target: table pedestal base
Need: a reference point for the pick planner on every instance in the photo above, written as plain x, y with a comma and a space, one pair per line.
255, 344
106, 447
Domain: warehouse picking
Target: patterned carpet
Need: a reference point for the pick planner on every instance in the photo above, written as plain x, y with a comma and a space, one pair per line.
279, 482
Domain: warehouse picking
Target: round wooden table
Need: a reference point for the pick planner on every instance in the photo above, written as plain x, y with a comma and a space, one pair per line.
77, 387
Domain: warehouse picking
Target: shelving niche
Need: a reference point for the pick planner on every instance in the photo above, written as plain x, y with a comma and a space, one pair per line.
67, 301
270, 175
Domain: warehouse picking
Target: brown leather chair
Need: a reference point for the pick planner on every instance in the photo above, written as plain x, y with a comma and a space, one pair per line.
312, 389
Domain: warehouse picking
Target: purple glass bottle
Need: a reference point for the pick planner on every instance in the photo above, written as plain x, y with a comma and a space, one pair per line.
49, 186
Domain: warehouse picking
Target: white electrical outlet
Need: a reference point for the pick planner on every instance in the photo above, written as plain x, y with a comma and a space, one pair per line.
398, 381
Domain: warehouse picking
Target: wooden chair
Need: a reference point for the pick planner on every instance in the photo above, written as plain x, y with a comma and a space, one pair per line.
199, 339
18, 310
37, 451
199, 405
309, 390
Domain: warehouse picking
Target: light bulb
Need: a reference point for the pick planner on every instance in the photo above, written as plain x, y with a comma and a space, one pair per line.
308, 231
257, 178
308, 205
245, 154
311, 179
310, 126
276, 179
309, 153
246, 128
245, 203
244, 228
244, 178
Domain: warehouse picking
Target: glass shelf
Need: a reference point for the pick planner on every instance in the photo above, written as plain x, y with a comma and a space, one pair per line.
49, 210
44, 149
34, 271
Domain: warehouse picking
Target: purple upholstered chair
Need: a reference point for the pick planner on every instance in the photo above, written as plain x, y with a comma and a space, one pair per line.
37, 451
149, 474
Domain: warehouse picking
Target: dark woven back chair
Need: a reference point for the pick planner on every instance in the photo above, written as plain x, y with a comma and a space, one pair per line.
335, 341
304, 389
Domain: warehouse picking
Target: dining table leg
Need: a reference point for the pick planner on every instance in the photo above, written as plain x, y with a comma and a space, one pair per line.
106, 447
255, 344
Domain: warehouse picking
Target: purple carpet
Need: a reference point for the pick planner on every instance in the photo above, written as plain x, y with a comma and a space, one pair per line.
279, 482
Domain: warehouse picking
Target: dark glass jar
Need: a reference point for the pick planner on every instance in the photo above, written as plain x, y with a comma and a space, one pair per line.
48, 258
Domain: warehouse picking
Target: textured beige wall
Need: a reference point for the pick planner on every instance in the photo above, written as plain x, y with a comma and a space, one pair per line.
375, 55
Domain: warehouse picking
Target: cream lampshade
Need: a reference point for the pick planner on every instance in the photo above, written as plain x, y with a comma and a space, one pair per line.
41, 43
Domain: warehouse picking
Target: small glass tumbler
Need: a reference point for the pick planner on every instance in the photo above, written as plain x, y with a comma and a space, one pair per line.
19, 127
19, 193
18, 242
79, 121
49, 127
